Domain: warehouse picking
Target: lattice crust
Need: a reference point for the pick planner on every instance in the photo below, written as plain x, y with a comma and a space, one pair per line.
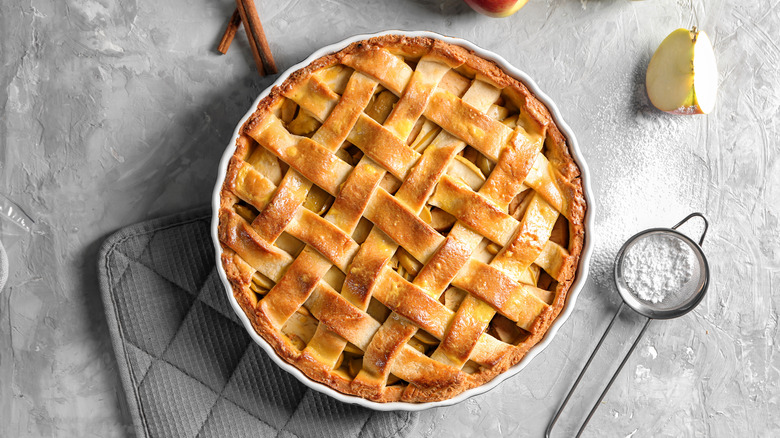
401, 220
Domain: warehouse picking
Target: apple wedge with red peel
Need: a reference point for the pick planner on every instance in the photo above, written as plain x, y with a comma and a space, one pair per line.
682, 77
496, 8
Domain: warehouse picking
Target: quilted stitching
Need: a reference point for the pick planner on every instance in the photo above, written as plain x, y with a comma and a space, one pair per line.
227, 419
188, 366
208, 354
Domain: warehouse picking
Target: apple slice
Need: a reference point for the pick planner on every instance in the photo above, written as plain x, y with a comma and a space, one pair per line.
496, 8
682, 77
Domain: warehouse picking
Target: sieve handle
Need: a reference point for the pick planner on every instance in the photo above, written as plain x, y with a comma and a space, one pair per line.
582, 373
614, 376
692, 215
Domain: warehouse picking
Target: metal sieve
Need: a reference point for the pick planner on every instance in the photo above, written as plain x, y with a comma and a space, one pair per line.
677, 304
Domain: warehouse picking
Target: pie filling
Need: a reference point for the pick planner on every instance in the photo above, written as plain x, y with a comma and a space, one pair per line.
401, 220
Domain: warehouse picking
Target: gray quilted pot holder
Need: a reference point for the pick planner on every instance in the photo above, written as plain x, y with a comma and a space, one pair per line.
187, 365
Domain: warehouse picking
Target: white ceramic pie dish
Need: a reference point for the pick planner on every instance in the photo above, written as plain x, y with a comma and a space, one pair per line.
577, 284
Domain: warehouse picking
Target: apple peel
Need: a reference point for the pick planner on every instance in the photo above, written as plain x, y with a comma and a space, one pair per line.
496, 8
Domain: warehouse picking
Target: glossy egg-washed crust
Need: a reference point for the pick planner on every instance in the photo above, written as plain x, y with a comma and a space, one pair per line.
440, 382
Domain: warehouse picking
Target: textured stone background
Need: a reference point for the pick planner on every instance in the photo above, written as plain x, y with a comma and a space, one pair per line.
117, 111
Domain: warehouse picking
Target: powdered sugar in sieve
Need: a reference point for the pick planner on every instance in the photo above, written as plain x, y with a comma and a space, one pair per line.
658, 266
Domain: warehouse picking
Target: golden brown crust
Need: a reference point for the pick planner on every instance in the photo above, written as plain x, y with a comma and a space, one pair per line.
324, 302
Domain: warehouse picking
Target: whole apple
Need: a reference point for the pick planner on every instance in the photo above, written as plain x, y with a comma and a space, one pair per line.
496, 8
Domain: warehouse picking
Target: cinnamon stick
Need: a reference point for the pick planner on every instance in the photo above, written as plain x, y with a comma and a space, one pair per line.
252, 42
230, 32
254, 29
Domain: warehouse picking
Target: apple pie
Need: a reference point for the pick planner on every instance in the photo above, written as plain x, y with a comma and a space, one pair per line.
401, 220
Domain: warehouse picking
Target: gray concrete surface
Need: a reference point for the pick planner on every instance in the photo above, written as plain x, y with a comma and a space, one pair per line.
116, 111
